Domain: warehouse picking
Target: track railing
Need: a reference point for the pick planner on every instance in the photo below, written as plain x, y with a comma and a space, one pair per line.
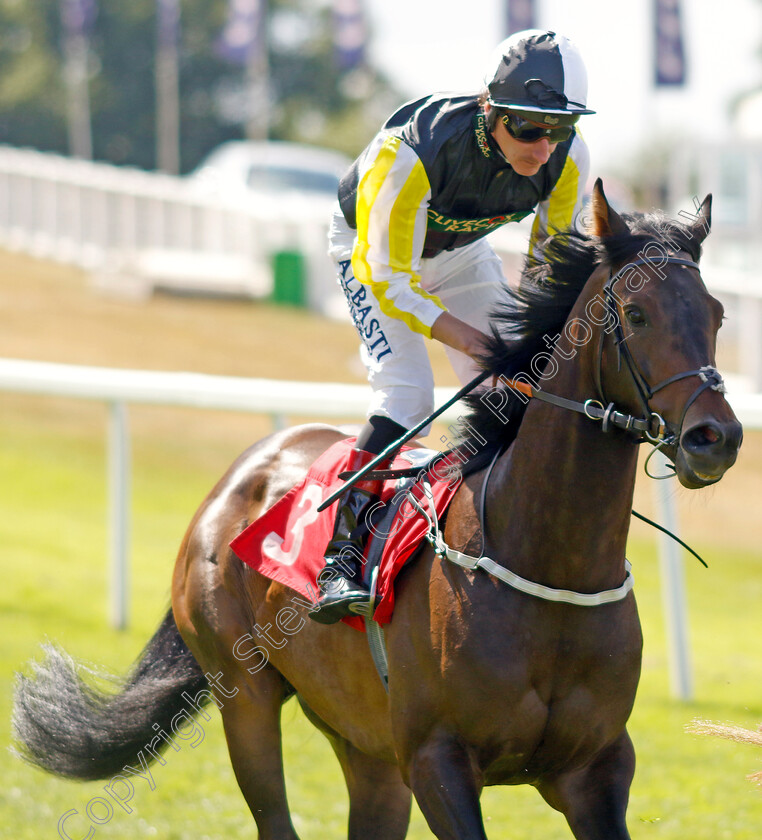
278, 399
136, 230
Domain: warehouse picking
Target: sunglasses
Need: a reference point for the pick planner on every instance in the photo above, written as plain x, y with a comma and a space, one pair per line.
527, 132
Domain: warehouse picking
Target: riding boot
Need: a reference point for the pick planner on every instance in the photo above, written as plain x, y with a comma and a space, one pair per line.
340, 580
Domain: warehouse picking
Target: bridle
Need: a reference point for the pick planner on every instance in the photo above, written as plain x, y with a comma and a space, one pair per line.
653, 427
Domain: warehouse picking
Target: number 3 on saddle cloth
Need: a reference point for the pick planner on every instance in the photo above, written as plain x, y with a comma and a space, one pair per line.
287, 543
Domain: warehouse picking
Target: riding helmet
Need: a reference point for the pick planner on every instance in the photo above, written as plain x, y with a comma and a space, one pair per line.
540, 73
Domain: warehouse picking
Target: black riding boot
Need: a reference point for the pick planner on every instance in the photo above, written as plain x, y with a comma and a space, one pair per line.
340, 580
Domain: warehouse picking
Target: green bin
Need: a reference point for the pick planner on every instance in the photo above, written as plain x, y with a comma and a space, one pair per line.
289, 286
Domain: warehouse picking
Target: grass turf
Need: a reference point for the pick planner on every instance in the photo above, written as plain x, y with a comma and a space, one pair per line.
53, 546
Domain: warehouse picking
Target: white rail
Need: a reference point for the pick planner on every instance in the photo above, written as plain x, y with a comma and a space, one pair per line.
117, 388
139, 230
142, 229
233, 393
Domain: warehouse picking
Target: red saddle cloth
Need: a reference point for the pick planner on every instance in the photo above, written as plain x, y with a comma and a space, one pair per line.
287, 542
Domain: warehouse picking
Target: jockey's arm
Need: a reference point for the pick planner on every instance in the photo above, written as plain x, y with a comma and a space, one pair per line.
457, 334
392, 203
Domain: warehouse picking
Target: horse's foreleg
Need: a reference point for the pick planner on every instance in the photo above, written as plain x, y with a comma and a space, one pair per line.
379, 801
252, 728
443, 778
594, 799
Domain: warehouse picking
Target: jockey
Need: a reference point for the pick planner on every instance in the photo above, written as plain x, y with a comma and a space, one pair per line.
408, 242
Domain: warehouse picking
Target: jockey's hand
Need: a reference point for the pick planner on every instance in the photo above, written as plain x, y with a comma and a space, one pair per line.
459, 335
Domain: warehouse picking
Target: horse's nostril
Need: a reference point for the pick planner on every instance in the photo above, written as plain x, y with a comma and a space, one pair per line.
702, 437
710, 435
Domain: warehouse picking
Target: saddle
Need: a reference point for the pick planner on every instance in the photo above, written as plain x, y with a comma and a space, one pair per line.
286, 544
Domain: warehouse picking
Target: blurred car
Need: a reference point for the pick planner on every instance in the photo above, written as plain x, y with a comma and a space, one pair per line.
271, 170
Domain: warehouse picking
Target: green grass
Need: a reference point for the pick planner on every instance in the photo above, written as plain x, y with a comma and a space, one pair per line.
54, 584
53, 560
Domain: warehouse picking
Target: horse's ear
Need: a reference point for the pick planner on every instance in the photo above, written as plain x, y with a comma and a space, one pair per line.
702, 224
606, 221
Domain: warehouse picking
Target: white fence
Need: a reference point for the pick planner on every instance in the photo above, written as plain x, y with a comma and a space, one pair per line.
117, 388
136, 230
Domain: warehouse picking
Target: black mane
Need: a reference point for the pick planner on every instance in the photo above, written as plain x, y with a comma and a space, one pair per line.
539, 308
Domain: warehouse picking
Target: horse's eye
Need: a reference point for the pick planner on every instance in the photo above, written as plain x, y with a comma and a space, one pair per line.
635, 316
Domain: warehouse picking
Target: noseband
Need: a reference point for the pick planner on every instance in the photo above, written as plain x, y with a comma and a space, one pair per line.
652, 427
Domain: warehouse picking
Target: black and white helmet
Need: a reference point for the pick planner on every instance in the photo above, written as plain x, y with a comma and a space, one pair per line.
541, 74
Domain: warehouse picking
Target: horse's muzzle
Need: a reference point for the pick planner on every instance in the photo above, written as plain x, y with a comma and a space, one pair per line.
708, 448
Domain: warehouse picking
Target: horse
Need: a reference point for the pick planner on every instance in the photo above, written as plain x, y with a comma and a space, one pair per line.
488, 684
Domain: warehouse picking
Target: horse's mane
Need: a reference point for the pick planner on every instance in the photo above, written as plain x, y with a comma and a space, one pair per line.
539, 308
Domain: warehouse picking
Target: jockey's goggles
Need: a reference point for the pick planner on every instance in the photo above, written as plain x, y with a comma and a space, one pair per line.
529, 132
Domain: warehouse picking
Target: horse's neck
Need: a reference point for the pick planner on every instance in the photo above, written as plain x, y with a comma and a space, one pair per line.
559, 500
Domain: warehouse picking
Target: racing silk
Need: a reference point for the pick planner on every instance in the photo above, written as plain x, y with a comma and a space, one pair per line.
434, 179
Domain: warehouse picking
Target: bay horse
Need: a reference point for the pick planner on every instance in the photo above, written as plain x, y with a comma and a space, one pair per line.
487, 685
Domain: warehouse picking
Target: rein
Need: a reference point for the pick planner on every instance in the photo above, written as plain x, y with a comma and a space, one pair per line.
650, 427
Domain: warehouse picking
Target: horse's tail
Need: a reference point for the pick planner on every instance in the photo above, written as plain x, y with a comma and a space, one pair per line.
72, 728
